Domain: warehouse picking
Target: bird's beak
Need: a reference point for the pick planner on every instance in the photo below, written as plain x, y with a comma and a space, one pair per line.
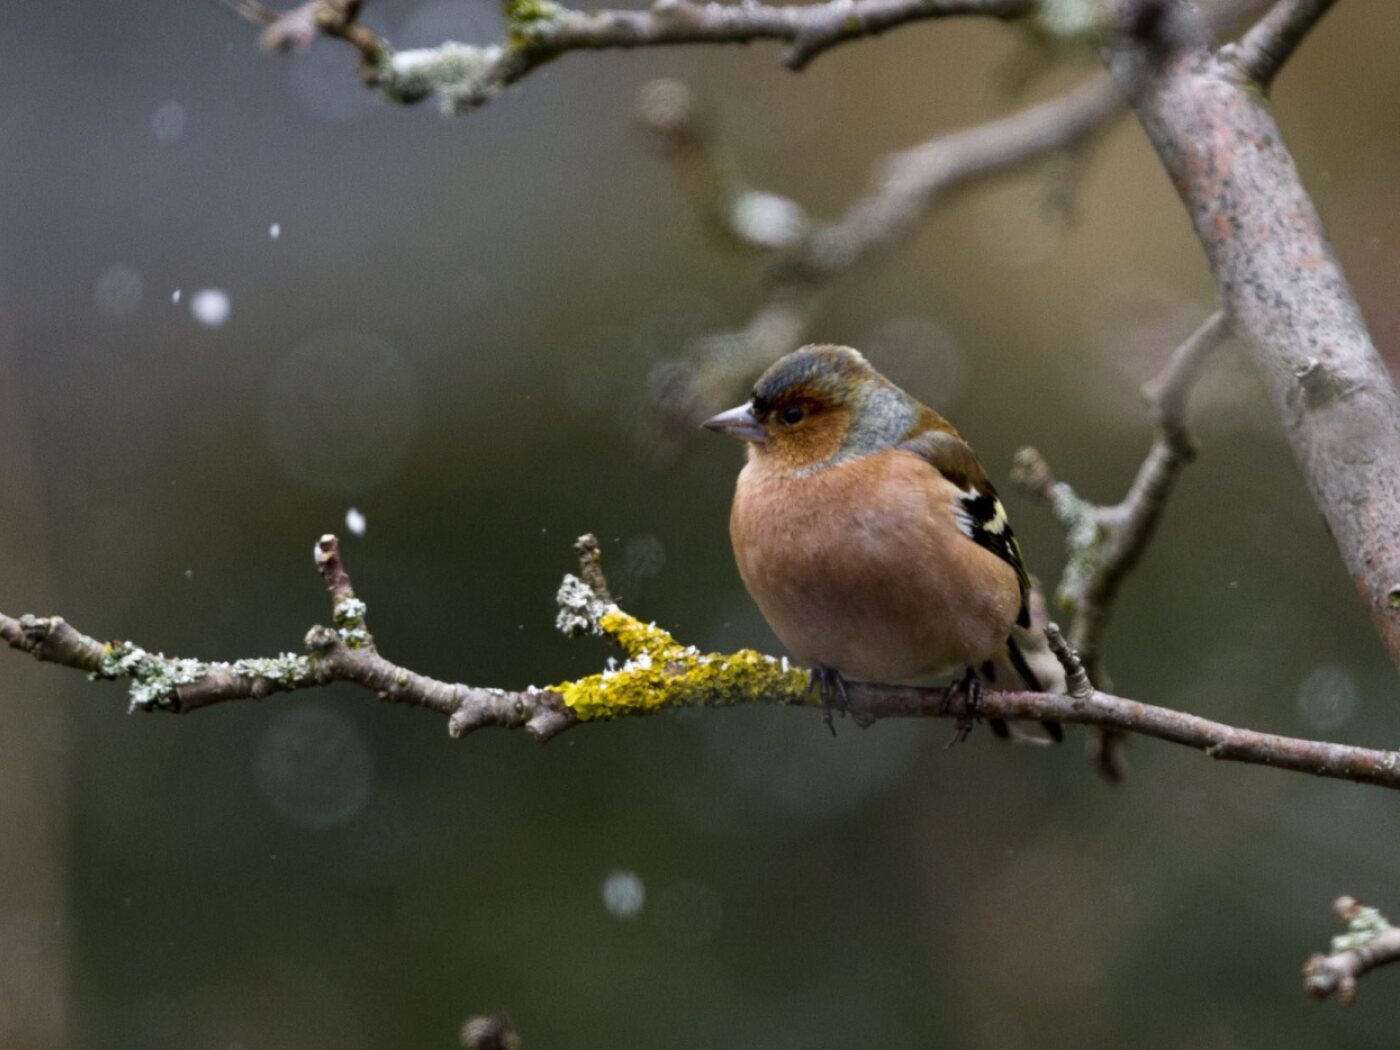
737, 422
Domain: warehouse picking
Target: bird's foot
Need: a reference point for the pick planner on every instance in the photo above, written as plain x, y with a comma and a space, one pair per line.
832, 689
970, 689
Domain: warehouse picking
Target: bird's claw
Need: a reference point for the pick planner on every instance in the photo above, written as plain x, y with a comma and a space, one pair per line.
832, 689
971, 689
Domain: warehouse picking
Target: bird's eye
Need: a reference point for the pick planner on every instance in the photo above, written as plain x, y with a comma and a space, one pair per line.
793, 415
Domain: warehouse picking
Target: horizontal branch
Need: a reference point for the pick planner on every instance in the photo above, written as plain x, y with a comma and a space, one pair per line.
1370, 941
659, 674
463, 76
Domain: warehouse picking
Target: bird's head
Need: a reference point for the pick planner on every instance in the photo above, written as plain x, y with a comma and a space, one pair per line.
818, 406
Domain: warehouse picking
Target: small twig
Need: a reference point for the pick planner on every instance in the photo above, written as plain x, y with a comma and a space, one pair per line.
1370, 941
590, 565
295, 28
1271, 41
1077, 682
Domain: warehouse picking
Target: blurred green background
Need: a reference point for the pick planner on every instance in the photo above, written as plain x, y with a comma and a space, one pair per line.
452, 332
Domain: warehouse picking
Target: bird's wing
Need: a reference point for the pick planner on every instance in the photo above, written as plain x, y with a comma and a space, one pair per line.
980, 513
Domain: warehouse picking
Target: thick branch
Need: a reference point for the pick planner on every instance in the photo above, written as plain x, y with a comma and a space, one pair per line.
1288, 300
660, 674
1272, 40
1370, 941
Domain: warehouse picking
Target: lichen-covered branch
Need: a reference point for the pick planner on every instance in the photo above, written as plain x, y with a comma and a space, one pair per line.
659, 674
461, 77
1103, 543
1370, 941
1289, 302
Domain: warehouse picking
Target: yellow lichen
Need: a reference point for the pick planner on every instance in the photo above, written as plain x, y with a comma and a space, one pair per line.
635, 638
661, 673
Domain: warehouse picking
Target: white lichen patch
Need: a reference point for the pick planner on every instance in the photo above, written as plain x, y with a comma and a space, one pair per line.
1073, 20
1364, 925
154, 676
460, 75
284, 668
580, 608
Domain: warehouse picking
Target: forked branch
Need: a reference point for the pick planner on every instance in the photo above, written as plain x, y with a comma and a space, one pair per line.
1370, 941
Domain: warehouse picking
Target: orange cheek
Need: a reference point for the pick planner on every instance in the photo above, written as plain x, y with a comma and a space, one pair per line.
816, 441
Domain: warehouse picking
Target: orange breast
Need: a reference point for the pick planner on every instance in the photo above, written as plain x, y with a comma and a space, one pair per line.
861, 567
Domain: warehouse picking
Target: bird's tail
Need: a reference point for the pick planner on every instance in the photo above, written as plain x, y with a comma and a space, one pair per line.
1015, 663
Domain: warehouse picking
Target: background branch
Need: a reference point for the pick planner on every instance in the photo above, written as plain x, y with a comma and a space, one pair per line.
805, 258
463, 76
1104, 542
1370, 941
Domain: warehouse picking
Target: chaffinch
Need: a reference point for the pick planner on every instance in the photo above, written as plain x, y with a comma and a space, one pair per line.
868, 533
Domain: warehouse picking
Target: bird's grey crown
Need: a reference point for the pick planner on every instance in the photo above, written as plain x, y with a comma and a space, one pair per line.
881, 413
825, 370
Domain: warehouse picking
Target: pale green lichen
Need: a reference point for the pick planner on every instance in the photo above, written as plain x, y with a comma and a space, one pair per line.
1078, 21
526, 18
661, 673
460, 75
350, 623
1364, 925
1084, 539
154, 676
284, 668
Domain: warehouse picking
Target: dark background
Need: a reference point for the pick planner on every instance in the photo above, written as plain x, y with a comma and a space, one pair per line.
452, 333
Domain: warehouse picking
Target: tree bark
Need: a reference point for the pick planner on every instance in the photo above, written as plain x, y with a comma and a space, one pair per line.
1289, 302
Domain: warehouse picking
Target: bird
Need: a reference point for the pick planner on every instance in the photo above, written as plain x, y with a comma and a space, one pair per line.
869, 535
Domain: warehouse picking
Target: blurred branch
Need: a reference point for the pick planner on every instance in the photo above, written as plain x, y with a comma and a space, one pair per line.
1370, 941
463, 76
804, 257
1279, 279
489, 1032
293, 29
1271, 41
660, 674
1104, 542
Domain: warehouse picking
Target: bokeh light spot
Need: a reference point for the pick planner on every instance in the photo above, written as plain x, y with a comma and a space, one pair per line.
313, 768
624, 894
341, 411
